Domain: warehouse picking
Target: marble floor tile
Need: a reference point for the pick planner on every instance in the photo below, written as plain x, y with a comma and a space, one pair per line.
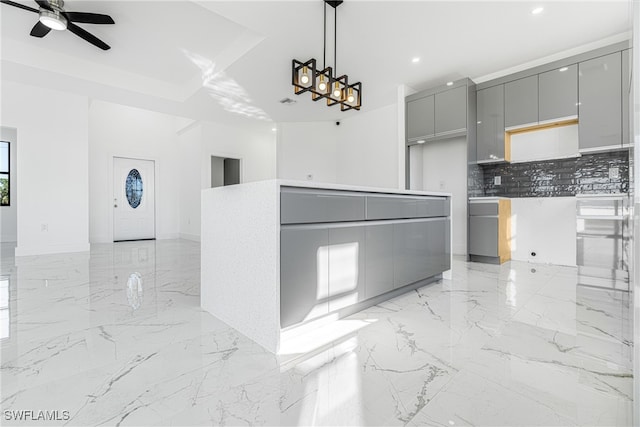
117, 337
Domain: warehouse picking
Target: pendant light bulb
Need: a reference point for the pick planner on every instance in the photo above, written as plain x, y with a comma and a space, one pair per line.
322, 86
337, 92
304, 79
350, 96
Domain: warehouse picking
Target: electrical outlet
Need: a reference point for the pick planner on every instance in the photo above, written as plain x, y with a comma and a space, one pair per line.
614, 173
44, 227
442, 185
497, 180
310, 177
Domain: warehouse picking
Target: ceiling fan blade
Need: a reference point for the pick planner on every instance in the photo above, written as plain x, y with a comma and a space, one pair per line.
87, 36
40, 30
44, 4
88, 18
21, 6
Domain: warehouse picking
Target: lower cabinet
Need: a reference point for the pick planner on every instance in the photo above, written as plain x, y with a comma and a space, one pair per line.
304, 279
490, 231
379, 260
328, 267
418, 250
346, 266
483, 235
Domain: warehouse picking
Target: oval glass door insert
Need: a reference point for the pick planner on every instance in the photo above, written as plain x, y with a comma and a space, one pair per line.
133, 188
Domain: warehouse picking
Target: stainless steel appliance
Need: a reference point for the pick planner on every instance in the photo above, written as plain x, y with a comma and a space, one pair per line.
603, 240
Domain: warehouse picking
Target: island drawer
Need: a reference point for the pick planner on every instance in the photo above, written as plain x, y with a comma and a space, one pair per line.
390, 207
304, 206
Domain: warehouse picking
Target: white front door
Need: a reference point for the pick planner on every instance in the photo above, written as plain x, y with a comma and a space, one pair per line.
133, 199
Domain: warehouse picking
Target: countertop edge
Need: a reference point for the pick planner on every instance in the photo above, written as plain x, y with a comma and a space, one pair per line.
344, 187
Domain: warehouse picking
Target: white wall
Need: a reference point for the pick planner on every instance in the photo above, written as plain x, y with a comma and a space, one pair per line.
121, 131
189, 149
308, 148
256, 149
546, 226
444, 168
367, 152
52, 169
362, 150
9, 214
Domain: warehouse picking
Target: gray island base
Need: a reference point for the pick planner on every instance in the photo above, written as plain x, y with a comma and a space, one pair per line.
282, 258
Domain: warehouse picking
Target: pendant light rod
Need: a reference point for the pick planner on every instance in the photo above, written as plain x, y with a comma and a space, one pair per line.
335, 41
324, 43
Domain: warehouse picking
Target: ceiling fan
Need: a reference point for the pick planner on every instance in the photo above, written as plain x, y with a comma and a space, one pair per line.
54, 17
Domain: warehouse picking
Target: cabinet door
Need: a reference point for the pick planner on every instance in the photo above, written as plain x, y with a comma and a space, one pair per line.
558, 93
438, 247
420, 117
379, 260
421, 249
490, 125
483, 235
627, 123
346, 266
521, 102
304, 275
600, 97
451, 110
409, 248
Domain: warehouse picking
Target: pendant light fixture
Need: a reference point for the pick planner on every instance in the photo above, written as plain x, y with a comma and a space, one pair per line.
325, 83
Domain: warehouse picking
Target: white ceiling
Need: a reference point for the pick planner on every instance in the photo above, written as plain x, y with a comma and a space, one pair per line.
229, 60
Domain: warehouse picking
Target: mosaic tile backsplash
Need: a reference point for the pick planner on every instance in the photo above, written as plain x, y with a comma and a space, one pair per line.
588, 174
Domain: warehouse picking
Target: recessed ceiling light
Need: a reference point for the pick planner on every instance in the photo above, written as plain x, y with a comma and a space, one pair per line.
421, 141
563, 69
449, 83
415, 60
274, 129
537, 10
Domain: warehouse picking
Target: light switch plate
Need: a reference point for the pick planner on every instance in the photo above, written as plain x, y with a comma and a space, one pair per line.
497, 180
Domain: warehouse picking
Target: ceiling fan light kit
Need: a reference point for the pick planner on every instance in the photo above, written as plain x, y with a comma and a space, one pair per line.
53, 16
53, 20
324, 83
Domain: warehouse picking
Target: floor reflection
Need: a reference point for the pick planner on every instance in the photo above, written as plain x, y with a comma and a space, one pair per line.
495, 345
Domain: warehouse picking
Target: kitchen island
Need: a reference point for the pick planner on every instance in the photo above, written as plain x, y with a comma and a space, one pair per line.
277, 255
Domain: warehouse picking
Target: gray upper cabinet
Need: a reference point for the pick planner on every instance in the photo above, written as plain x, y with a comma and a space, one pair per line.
600, 108
490, 125
451, 110
558, 93
420, 118
626, 97
521, 102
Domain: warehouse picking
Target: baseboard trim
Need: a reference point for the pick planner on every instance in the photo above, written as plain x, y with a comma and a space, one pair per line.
22, 251
188, 236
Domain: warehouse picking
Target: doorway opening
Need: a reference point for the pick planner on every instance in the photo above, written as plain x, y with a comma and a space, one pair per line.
224, 171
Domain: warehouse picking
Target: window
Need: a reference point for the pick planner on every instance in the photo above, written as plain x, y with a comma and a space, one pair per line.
4, 173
